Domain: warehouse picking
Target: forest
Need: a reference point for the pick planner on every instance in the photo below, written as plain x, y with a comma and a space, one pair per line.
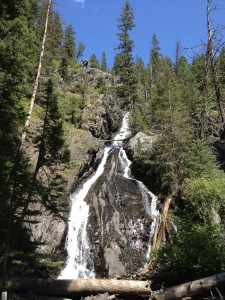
180, 102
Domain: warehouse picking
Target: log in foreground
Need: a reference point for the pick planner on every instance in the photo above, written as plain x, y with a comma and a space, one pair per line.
190, 288
88, 287
78, 287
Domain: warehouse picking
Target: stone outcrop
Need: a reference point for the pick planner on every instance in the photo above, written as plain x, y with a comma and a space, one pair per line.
141, 142
118, 225
94, 77
101, 119
138, 147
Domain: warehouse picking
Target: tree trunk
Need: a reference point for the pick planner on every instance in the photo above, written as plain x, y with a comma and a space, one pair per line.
27, 123
78, 287
163, 223
160, 228
190, 288
87, 287
213, 64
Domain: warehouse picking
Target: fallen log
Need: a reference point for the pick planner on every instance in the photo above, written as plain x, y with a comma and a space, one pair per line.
191, 288
78, 287
88, 287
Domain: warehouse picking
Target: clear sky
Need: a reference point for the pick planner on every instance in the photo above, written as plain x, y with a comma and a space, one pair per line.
95, 23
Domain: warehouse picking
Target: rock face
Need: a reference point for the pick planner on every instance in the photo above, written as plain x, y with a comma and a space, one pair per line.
118, 225
101, 118
49, 231
140, 142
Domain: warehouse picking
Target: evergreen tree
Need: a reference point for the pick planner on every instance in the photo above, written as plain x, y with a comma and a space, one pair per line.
52, 152
93, 62
104, 62
141, 107
124, 66
155, 56
17, 60
69, 43
56, 33
68, 51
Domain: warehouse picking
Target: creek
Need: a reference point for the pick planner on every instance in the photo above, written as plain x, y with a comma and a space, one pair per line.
112, 218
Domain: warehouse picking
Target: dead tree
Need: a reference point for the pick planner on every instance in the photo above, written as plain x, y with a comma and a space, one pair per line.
27, 122
213, 61
125, 288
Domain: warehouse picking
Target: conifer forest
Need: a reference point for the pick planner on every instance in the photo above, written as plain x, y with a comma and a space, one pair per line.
57, 113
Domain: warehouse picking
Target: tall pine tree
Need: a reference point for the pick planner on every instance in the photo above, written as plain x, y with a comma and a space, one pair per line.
124, 66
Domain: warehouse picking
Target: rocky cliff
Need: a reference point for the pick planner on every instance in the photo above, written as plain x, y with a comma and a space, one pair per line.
99, 118
118, 225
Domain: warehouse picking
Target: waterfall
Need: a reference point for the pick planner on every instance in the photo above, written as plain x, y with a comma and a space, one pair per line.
150, 207
79, 264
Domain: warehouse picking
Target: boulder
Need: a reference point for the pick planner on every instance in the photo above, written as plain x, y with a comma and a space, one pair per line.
141, 142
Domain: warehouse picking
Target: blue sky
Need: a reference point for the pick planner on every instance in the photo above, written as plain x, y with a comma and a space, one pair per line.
95, 23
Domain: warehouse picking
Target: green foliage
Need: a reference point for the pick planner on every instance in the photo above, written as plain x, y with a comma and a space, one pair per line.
69, 42
70, 108
155, 56
93, 62
197, 251
204, 195
17, 52
100, 85
104, 66
123, 65
200, 161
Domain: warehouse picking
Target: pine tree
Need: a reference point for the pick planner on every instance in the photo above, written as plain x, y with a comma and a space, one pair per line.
56, 33
104, 62
154, 63
69, 43
53, 151
17, 60
124, 66
93, 62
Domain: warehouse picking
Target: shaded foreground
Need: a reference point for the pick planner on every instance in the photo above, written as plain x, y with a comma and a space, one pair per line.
86, 287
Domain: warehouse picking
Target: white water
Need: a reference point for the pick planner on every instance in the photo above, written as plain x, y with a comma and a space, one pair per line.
77, 241
150, 207
79, 264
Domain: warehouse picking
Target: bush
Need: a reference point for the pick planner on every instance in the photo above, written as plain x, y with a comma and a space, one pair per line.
197, 251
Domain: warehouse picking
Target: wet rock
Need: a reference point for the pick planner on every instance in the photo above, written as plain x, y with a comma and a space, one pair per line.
120, 229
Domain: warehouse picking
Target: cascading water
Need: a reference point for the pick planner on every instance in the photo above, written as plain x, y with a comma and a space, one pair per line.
79, 264
151, 208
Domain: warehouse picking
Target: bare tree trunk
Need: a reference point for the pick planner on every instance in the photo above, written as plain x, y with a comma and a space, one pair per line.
27, 123
87, 287
78, 287
204, 114
190, 288
213, 64
160, 229
163, 223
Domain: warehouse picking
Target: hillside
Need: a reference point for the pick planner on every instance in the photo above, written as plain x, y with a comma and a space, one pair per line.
172, 149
